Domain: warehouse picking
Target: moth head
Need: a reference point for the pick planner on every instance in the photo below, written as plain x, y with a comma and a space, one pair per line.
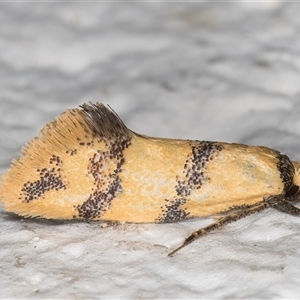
297, 173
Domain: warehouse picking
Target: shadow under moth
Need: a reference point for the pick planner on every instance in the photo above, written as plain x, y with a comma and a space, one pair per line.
86, 164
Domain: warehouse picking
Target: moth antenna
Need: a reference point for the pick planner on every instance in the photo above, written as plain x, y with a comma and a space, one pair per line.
268, 202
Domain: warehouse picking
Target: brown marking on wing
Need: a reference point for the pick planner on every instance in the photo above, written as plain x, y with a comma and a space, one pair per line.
193, 177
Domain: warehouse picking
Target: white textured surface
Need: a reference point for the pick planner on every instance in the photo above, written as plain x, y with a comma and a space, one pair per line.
214, 71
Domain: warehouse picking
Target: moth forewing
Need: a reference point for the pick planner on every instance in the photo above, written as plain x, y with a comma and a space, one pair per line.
88, 165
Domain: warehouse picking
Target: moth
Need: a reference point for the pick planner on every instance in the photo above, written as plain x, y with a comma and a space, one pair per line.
87, 165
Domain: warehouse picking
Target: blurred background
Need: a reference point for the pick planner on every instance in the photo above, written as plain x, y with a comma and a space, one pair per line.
221, 71
209, 71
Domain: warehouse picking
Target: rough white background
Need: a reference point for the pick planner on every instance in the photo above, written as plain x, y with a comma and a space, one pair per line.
207, 71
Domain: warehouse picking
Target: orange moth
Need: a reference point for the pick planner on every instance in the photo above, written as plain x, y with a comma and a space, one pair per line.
88, 165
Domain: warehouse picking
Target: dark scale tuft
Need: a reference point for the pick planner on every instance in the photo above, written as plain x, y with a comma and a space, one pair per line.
104, 122
193, 171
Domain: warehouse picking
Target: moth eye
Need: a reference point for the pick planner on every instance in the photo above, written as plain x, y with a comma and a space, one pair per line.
292, 191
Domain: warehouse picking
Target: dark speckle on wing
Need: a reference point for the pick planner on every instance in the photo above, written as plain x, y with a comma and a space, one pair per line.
50, 179
286, 170
100, 200
194, 177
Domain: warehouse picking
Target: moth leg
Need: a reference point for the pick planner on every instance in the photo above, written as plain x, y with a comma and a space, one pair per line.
234, 216
235, 209
289, 208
